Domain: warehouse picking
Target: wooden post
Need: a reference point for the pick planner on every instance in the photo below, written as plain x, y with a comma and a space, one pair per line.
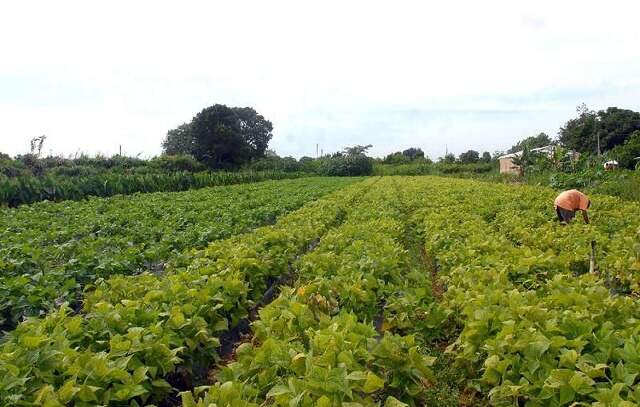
592, 259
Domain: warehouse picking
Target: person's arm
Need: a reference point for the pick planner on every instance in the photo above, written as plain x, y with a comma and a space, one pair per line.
585, 216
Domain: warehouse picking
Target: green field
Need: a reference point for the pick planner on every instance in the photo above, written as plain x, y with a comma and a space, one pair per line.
384, 291
50, 251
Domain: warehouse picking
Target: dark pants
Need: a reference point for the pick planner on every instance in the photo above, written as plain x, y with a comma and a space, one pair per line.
565, 215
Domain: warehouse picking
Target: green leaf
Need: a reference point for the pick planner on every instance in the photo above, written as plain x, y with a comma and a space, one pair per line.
88, 393
581, 383
394, 402
373, 383
567, 394
323, 401
277, 390
357, 375
68, 391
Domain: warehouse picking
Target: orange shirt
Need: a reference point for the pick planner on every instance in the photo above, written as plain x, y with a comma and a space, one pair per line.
572, 200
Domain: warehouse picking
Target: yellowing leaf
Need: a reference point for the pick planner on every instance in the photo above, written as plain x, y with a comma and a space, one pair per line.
373, 383
394, 402
278, 390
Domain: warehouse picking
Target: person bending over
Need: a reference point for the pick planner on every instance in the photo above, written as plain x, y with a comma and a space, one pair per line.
568, 202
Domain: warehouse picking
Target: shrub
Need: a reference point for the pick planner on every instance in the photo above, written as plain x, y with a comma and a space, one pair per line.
627, 152
346, 165
286, 164
173, 163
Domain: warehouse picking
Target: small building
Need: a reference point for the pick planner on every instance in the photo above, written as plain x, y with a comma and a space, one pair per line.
507, 165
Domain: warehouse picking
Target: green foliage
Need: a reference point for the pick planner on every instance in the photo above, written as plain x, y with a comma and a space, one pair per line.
51, 252
612, 126
525, 321
135, 331
541, 140
30, 189
176, 163
222, 137
179, 141
414, 153
396, 158
284, 164
357, 150
469, 157
538, 329
406, 156
448, 158
12, 168
626, 154
345, 165
441, 168
524, 160
315, 344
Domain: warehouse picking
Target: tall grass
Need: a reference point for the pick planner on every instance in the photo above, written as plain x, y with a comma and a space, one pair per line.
28, 189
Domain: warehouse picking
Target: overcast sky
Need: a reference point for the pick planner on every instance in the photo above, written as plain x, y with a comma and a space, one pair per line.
449, 74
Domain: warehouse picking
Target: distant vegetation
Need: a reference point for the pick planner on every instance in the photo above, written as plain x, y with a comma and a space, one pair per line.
222, 137
236, 140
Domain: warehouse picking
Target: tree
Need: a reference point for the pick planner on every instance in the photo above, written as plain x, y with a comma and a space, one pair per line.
356, 150
221, 136
255, 129
609, 128
448, 158
616, 126
540, 140
218, 138
271, 154
413, 153
179, 141
396, 158
36, 144
469, 157
524, 160
486, 157
627, 153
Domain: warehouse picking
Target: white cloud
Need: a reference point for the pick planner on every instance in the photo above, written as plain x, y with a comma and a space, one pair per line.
472, 74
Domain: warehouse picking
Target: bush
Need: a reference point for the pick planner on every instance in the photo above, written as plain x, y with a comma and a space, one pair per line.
415, 168
478, 168
11, 168
173, 163
626, 153
346, 165
286, 164
74, 171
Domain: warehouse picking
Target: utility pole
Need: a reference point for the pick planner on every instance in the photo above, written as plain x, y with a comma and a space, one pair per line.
120, 150
316, 150
598, 133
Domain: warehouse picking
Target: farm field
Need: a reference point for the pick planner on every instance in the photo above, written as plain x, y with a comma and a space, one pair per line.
28, 189
50, 251
392, 291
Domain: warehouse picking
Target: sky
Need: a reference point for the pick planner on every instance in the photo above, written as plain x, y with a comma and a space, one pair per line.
443, 76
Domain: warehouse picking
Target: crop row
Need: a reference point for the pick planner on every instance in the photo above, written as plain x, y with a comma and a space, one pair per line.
536, 329
29, 189
347, 332
136, 332
51, 251
614, 227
